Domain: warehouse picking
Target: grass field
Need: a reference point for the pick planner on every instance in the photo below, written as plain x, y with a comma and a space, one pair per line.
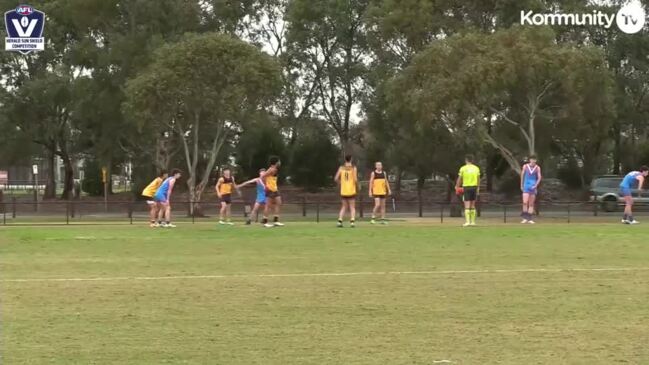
409, 293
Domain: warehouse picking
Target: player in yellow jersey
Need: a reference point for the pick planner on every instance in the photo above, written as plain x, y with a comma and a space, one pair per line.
224, 187
347, 178
148, 194
273, 198
379, 190
468, 184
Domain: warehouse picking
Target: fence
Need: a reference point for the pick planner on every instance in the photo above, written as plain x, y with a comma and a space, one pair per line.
14, 212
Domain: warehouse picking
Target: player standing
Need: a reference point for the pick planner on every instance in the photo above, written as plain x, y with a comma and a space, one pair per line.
163, 199
468, 183
628, 183
379, 190
260, 201
149, 192
273, 198
530, 179
347, 177
224, 187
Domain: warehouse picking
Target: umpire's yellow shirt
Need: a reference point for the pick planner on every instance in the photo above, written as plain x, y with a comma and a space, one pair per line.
470, 175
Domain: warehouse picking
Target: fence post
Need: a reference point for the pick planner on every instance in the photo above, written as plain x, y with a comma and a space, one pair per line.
67, 212
569, 213
4, 214
441, 213
193, 209
303, 206
504, 213
362, 210
595, 209
130, 211
420, 209
317, 212
13, 207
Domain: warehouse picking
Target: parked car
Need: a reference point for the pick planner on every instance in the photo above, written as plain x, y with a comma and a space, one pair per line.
606, 190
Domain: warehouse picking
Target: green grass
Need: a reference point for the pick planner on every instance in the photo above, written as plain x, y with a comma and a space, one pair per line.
243, 317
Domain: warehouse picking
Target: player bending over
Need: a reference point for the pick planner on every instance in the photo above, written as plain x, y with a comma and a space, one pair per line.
629, 183
379, 190
163, 199
468, 184
347, 177
530, 180
261, 194
224, 187
273, 198
149, 193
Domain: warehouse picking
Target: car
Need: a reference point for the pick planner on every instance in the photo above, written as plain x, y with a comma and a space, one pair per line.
606, 190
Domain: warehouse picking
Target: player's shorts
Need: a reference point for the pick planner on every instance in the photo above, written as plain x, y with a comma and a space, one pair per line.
625, 191
160, 199
470, 193
261, 199
348, 197
529, 190
379, 196
149, 199
226, 198
272, 194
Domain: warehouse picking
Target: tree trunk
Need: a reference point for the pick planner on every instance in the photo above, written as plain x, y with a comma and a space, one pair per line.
617, 150
397, 187
420, 188
50, 186
68, 181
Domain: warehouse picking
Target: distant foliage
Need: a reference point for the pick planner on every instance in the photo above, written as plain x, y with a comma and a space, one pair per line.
92, 184
314, 162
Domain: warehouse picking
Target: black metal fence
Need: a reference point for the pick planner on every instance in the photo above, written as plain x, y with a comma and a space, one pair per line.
16, 212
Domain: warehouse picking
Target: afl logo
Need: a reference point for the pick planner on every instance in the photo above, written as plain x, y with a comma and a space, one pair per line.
25, 27
24, 10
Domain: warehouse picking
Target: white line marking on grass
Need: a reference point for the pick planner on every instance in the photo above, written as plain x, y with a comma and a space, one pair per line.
326, 274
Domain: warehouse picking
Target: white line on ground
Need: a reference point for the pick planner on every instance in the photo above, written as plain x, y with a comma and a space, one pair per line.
330, 274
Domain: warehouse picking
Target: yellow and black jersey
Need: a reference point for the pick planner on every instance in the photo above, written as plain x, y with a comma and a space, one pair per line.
348, 181
380, 184
227, 183
271, 181
151, 189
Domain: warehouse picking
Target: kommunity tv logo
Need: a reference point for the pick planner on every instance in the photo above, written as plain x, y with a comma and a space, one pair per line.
630, 19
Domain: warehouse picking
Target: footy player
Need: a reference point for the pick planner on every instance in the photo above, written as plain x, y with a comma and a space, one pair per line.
162, 198
347, 178
530, 179
224, 187
629, 183
379, 190
260, 201
468, 184
273, 198
149, 192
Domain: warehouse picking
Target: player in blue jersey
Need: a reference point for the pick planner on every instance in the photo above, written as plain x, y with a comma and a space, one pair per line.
632, 180
260, 201
162, 197
530, 179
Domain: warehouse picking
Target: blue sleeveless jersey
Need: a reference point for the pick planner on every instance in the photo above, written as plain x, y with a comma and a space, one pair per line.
261, 192
164, 188
630, 180
530, 176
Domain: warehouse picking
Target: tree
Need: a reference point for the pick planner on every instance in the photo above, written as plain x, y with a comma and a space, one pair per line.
329, 39
260, 139
314, 160
40, 111
202, 87
509, 87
